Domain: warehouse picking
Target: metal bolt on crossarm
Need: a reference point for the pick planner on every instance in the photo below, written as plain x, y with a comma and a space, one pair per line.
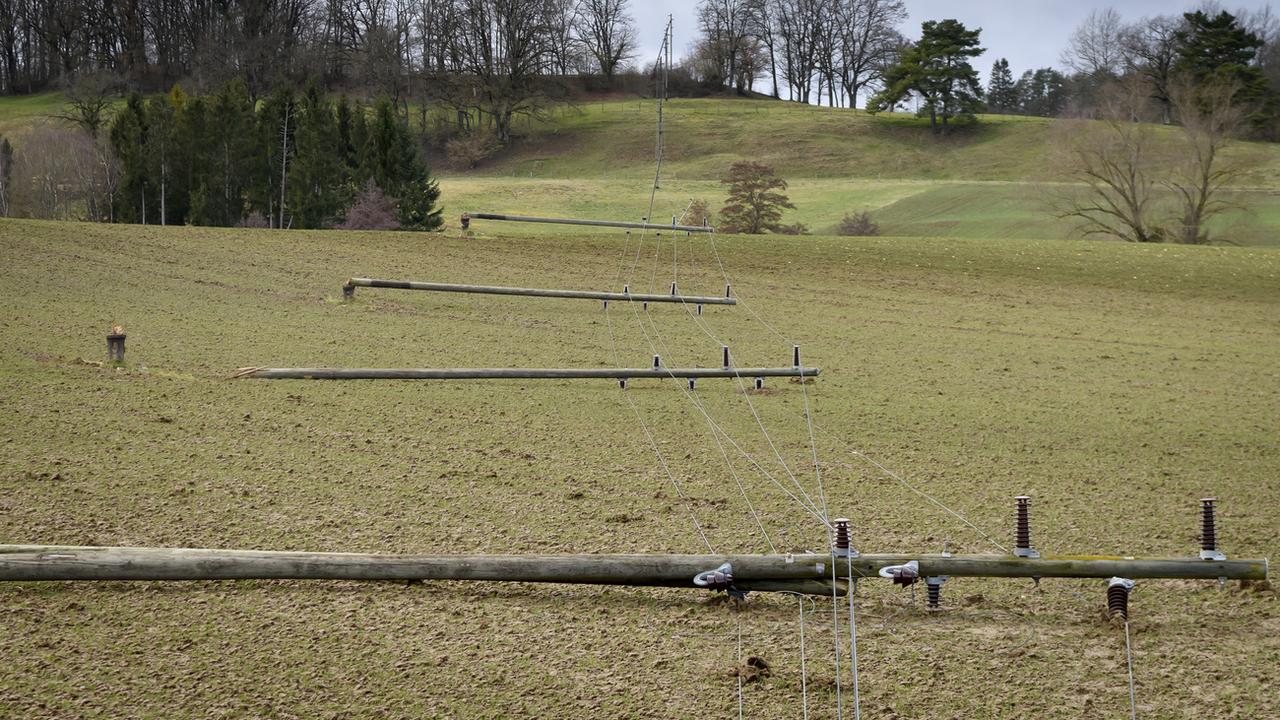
1022, 531
1209, 531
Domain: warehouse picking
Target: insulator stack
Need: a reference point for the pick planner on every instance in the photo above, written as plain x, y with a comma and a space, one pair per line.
724, 351
840, 544
1208, 527
1118, 598
1022, 529
933, 598
795, 356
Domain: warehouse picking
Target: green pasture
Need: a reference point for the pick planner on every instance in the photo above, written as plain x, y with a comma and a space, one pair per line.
1115, 384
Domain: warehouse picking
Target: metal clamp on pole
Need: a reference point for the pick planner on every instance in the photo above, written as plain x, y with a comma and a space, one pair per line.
905, 574
720, 579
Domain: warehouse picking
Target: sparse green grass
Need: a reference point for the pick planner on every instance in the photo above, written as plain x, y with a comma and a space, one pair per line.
20, 112
1115, 384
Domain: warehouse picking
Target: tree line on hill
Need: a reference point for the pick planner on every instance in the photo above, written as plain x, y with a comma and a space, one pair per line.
493, 60
290, 160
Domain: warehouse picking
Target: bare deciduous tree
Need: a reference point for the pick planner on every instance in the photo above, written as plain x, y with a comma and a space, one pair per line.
89, 102
869, 41
607, 32
1150, 51
1095, 48
1115, 160
1210, 117
501, 46
62, 174
726, 25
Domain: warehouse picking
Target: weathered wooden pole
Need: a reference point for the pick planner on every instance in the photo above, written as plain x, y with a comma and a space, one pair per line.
468, 217
348, 290
43, 562
264, 373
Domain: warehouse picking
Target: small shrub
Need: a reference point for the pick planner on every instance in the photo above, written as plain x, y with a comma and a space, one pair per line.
858, 225
372, 210
470, 150
755, 202
796, 229
254, 219
698, 214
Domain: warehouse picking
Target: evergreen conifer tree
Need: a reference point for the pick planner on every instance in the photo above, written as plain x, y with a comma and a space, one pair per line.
1002, 94
317, 177
937, 69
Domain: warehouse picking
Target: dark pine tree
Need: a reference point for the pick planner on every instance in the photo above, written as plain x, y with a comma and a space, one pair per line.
937, 69
129, 136
317, 185
1002, 93
390, 159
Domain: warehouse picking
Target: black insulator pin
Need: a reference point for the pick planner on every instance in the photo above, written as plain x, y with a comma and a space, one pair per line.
934, 595
795, 356
1118, 597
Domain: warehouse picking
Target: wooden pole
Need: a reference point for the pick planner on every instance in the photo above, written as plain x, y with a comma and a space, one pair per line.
514, 373
534, 292
468, 217
40, 562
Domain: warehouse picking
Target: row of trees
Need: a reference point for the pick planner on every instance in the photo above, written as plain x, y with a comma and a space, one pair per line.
1207, 45
491, 55
290, 160
815, 50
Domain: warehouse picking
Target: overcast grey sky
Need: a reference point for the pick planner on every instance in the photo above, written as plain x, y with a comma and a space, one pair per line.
1030, 33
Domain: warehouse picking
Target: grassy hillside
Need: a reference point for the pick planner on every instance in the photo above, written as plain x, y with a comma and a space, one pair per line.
998, 179
1115, 384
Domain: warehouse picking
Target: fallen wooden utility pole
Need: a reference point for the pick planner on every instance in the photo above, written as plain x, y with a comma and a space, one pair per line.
516, 373
807, 573
626, 296
468, 217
